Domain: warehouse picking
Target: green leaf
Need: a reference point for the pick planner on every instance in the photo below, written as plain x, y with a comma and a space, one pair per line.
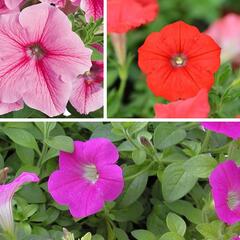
166, 135
171, 236
139, 156
134, 190
211, 231
200, 166
62, 143
121, 234
176, 224
176, 182
136, 127
22, 137
32, 193
186, 209
26, 155
143, 235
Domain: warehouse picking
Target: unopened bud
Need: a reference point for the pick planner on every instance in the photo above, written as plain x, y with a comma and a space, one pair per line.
3, 174
145, 142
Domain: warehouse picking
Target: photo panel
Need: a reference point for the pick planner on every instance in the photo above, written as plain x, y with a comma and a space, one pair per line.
173, 59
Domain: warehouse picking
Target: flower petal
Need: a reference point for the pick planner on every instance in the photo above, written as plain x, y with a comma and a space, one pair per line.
110, 182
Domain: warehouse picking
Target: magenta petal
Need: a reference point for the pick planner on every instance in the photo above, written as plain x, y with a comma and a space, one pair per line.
225, 179
230, 129
100, 151
63, 186
89, 202
71, 161
7, 190
111, 182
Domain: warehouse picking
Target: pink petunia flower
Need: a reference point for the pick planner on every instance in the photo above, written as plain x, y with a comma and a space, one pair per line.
9, 107
230, 129
87, 177
225, 186
6, 194
226, 32
92, 8
87, 95
9, 6
39, 57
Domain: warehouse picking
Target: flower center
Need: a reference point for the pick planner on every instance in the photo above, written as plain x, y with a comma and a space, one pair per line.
91, 173
179, 60
233, 200
36, 51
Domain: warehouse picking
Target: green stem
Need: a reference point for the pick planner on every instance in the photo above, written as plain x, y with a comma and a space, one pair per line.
45, 147
231, 148
128, 137
206, 141
220, 149
190, 125
10, 236
123, 75
140, 172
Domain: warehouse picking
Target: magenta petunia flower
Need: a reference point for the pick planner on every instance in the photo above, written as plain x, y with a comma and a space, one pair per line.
87, 95
87, 177
230, 129
39, 57
92, 8
225, 185
236, 238
6, 194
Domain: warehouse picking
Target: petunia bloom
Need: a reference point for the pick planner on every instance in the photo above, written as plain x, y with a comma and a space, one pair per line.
230, 129
87, 177
9, 107
236, 238
6, 194
9, 6
179, 61
196, 107
226, 32
87, 95
120, 21
225, 186
92, 8
39, 57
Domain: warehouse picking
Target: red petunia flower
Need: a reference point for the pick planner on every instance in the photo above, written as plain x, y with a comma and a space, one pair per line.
196, 107
179, 61
126, 15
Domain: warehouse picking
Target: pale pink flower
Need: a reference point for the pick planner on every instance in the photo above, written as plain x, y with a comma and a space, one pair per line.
9, 6
87, 178
9, 107
226, 32
39, 58
87, 95
236, 238
92, 8
6, 194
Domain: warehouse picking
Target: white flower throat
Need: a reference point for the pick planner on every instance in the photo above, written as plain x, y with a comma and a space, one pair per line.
233, 200
91, 173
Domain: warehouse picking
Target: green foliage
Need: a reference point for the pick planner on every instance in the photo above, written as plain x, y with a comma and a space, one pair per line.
166, 195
